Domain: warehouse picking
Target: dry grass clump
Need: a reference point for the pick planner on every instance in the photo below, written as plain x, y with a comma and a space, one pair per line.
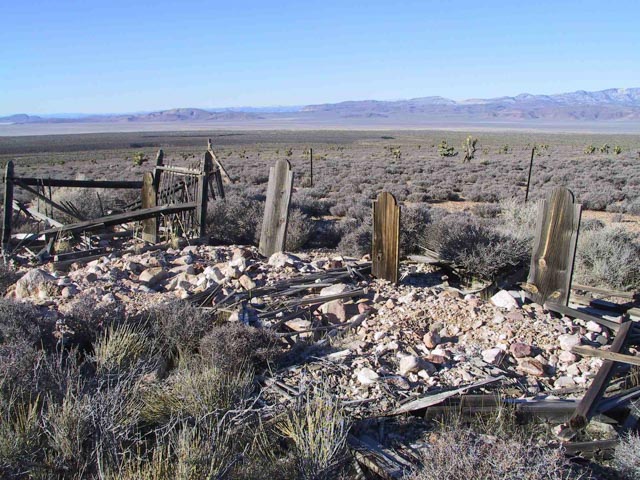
460, 454
124, 347
626, 458
608, 257
318, 432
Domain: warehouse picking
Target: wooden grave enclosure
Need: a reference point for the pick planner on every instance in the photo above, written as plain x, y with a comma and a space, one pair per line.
173, 201
273, 236
385, 255
554, 248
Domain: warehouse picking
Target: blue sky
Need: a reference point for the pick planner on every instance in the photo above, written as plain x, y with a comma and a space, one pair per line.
125, 56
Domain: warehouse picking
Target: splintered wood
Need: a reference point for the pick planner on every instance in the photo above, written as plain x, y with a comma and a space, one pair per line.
273, 236
554, 248
386, 237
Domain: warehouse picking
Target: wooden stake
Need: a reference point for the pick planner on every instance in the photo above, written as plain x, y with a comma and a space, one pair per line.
526, 195
311, 164
149, 199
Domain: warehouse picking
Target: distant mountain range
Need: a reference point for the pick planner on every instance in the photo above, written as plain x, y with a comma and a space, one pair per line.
615, 104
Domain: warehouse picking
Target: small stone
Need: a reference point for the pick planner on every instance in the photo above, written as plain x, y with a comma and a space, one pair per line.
282, 259
366, 376
594, 327
493, 355
35, 283
503, 299
567, 357
564, 382
153, 276
520, 350
532, 367
568, 341
431, 340
409, 364
246, 282
334, 289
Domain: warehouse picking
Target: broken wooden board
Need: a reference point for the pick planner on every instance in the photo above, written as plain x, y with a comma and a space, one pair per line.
273, 236
589, 403
606, 355
385, 255
120, 218
554, 248
149, 200
437, 398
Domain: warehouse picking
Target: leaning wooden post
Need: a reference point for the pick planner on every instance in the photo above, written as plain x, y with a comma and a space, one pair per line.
8, 207
203, 194
554, 248
149, 200
273, 236
157, 172
385, 256
526, 195
311, 165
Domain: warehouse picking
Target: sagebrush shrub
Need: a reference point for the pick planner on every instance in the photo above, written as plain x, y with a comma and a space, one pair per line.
608, 257
235, 220
179, 325
232, 344
461, 454
626, 458
299, 230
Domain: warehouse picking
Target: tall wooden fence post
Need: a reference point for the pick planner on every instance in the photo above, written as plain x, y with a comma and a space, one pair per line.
203, 193
8, 207
273, 236
385, 256
149, 200
554, 248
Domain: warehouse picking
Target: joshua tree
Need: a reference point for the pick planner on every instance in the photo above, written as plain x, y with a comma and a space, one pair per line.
469, 147
444, 150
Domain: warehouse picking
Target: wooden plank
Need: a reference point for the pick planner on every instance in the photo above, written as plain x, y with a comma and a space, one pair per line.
178, 170
589, 449
385, 255
42, 217
149, 200
607, 355
554, 248
574, 313
58, 182
203, 194
437, 398
157, 174
311, 166
50, 202
273, 236
605, 291
223, 171
121, 218
8, 206
589, 403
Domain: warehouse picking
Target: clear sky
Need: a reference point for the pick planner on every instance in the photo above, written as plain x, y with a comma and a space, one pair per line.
126, 56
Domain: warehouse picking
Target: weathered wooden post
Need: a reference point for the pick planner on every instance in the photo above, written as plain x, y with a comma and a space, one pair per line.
311, 165
157, 172
385, 256
149, 199
526, 195
554, 248
203, 193
273, 236
8, 207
